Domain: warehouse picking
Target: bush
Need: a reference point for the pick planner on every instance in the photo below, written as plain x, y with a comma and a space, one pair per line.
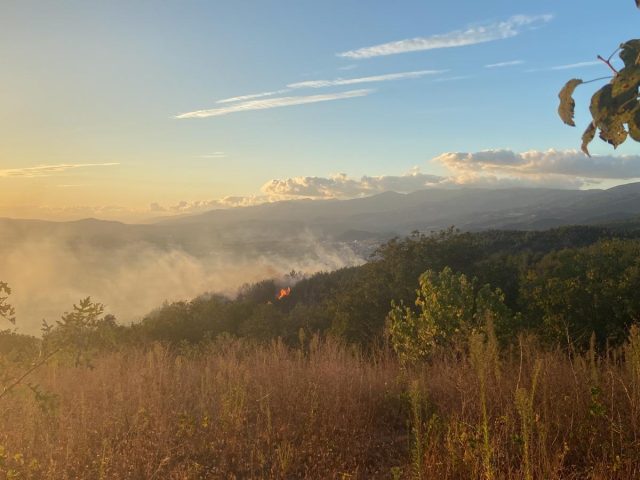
450, 307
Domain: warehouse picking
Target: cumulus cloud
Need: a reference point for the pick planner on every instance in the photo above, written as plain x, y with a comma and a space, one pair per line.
470, 179
571, 163
342, 186
197, 206
48, 170
473, 35
375, 78
485, 169
273, 103
500, 168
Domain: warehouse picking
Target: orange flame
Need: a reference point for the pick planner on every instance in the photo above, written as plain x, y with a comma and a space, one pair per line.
283, 293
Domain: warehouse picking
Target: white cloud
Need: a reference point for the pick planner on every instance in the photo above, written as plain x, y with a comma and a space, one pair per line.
273, 103
570, 66
338, 186
342, 186
483, 180
195, 206
454, 79
252, 96
485, 169
375, 78
511, 63
199, 206
511, 27
333, 83
214, 155
500, 168
571, 164
48, 170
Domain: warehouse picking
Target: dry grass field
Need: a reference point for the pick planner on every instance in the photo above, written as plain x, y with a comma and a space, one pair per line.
236, 410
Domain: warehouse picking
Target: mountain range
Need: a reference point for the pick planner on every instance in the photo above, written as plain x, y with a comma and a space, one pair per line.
371, 218
134, 268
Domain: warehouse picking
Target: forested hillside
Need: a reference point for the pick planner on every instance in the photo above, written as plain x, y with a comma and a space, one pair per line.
553, 281
569, 281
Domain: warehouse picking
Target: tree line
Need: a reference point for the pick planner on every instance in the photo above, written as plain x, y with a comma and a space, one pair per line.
562, 284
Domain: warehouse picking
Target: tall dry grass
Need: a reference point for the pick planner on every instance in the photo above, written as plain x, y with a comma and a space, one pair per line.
234, 410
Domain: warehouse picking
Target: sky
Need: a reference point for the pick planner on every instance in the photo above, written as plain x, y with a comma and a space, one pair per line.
134, 110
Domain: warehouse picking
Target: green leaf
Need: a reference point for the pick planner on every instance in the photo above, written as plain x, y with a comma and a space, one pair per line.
588, 135
567, 105
612, 130
615, 107
627, 79
610, 113
604, 104
601, 104
630, 52
634, 124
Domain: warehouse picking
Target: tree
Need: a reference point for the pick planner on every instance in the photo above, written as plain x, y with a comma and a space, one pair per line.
8, 383
577, 292
450, 308
80, 331
6, 310
612, 106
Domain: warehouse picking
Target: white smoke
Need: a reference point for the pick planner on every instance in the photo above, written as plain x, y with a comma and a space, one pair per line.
49, 275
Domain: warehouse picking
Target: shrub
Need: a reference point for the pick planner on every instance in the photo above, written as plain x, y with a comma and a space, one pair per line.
450, 306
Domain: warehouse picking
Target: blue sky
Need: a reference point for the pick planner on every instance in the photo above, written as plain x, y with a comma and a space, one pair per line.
92, 94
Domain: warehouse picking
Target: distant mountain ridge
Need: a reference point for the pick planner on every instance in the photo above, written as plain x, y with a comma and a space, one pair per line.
379, 216
134, 268
468, 209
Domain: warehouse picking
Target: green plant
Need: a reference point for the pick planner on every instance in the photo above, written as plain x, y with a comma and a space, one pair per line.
75, 333
482, 354
524, 400
450, 307
632, 360
79, 332
612, 106
6, 310
417, 430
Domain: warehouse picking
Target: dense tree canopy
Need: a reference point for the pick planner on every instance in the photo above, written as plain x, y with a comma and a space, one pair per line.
562, 284
547, 279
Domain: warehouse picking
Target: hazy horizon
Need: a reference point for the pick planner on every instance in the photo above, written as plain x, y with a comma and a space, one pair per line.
129, 112
154, 215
